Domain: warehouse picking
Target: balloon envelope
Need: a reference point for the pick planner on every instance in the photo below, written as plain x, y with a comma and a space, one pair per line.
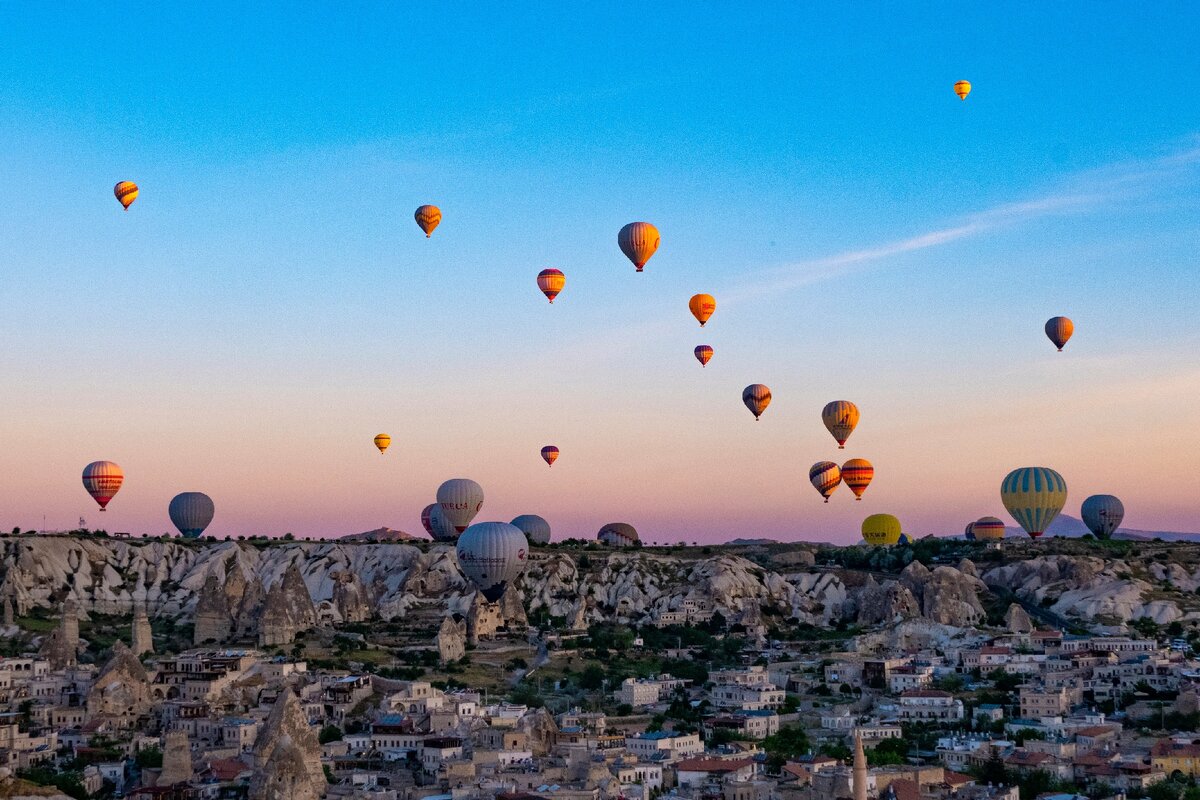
382, 441
840, 418
1102, 513
825, 477
436, 525
460, 499
702, 307
969, 531
988, 529
703, 354
126, 192
638, 241
428, 217
857, 474
550, 454
1059, 330
551, 282
191, 513
618, 534
535, 528
962, 89
881, 530
103, 480
1034, 496
492, 555
757, 397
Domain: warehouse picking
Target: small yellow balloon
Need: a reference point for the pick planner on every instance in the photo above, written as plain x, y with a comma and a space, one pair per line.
962, 89
428, 217
383, 441
702, 306
126, 192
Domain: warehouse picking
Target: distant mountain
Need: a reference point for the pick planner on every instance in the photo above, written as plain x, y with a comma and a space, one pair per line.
1072, 528
753, 541
380, 535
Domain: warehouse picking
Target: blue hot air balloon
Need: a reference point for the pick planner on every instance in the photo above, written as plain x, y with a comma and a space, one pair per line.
191, 512
1102, 513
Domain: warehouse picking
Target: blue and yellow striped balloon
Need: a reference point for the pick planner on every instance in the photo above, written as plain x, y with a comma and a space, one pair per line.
1034, 496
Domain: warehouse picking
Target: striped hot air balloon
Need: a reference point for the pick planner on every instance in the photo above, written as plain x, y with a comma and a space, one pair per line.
969, 531
551, 282
638, 241
857, 474
825, 477
988, 529
460, 499
1059, 330
433, 519
382, 441
618, 534
126, 192
492, 555
702, 307
191, 513
840, 418
550, 454
102, 479
428, 217
962, 89
1102, 513
757, 397
881, 530
1034, 496
535, 528
703, 353
427, 517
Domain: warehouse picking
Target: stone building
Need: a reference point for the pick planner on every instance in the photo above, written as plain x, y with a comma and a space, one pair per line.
61, 647
121, 691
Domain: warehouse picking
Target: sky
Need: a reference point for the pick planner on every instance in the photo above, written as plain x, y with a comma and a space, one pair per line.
268, 304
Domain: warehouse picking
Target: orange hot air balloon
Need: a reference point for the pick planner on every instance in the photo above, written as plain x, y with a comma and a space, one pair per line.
962, 89
126, 192
703, 353
857, 474
428, 217
382, 441
757, 397
550, 453
702, 306
825, 477
102, 480
1059, 331
551, 282
840, 418
638, 241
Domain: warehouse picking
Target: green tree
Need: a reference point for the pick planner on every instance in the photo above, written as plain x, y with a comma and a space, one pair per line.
789, 743
888, 751
592, 677
330, 733
149, 757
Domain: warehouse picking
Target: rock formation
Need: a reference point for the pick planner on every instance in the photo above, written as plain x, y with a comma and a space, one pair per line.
250, 610
299, 600
287, 756
451, 639
61, 647
351, 599
213, 620
483, 619
1017, 621
890, 603
9, 617
287, 611
121, 690
952, 598
539, 726
177, 759
142, 636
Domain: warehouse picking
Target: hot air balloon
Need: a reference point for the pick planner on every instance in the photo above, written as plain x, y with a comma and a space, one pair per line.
551, 282
904, 539
1034, 496
702, 306
436, 524
535, 528
382, 441
840, 418
492, 555
757, 397
987, 529
1102, 513
1059, 329
191, 512
703, 353
857, 473
102, 479
428, 217
638, 241
825, 477
962, 89
126, 192
881, 530
460, 499
618, 534
550, 453
969, 531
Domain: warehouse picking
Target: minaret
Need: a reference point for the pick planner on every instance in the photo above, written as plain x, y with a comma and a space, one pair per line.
860, 769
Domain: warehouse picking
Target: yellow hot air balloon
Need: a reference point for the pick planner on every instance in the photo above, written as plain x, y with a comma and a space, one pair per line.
881, 530
840, 418
702, 306
962, 89
382, 441
428, 217
638, 241
857, 474
126, 192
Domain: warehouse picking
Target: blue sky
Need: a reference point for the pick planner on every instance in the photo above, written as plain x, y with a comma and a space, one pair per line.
268, 304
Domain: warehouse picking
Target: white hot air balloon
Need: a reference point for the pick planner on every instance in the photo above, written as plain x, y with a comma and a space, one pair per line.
460, 499
492, 555
438, 526
535, 528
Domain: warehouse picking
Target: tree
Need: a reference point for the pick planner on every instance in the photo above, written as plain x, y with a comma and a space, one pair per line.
330, 733
592, 677
993, 771
1165, 790
790, 742
149, 757
889, 751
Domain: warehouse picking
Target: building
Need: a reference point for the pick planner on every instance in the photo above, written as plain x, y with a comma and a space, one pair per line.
661, 746
1180, 755
748, 698
1039, 702
930, 705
